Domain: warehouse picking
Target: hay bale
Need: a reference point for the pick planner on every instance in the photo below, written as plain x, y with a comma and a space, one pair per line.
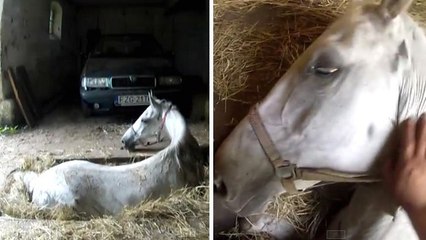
184, 214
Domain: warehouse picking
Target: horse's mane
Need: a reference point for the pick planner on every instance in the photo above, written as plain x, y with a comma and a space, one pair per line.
412, 99
184, 149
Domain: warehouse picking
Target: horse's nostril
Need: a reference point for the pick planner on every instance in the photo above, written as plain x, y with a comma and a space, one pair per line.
122, 141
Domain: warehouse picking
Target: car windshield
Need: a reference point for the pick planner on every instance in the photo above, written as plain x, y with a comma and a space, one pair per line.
127, 46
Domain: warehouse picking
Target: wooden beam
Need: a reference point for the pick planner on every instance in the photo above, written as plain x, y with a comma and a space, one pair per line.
21, 99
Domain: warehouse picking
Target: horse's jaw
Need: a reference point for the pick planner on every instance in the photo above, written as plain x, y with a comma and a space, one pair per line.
248, 176
334, 150
343, 129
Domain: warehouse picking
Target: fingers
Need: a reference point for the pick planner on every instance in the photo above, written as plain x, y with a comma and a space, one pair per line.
407, 143
421, 137
388, 172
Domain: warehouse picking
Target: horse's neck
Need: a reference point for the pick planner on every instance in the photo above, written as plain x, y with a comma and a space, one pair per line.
182, 142
181, 139
183, 149
175, 127
412, 100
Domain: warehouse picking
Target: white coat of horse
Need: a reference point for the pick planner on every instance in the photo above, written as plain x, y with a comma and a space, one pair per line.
336, 108
105, 190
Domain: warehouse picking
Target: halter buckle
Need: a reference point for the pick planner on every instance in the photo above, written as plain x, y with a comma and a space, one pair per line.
287, 171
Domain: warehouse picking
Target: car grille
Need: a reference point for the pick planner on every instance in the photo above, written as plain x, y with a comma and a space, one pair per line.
134, 82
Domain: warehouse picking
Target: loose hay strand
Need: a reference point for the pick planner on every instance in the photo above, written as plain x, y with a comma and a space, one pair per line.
302, 211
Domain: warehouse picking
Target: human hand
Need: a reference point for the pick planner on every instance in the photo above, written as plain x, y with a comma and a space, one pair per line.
405, 175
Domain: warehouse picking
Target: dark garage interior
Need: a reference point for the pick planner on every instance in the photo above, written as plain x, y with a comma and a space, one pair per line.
47, 43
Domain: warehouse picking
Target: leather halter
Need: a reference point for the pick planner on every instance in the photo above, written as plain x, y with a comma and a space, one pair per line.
289, 172
163, 121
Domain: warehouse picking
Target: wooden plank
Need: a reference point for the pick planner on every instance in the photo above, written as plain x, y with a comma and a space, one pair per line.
21, 100
104, 160
118, 157
123, 156
22, 80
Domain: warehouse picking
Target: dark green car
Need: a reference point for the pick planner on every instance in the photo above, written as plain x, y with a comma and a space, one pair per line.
123, 69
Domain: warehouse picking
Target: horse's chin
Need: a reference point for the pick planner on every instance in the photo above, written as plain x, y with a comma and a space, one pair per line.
147, 143
130, 147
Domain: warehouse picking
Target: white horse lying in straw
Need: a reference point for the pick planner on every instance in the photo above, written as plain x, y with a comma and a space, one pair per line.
336, 109
97, 189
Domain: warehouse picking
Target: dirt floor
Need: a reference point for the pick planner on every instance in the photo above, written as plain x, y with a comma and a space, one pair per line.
66, 133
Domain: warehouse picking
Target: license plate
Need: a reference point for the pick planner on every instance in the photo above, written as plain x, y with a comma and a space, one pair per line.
133, 100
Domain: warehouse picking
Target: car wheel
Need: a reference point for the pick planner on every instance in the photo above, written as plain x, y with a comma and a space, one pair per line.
87, 112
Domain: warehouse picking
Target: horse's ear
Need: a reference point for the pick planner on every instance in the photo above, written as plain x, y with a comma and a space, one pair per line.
390, 9
153, 101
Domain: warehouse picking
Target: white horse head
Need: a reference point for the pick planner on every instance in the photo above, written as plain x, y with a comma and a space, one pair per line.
149, 126
335, 108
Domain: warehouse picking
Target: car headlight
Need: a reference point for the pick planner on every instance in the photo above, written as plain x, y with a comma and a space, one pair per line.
170, 81
89, 82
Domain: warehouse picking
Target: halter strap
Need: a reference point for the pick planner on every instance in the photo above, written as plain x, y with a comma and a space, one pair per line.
133, 129
289, 172
163, 121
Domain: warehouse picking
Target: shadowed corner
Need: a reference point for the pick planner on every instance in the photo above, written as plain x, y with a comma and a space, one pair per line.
205, 150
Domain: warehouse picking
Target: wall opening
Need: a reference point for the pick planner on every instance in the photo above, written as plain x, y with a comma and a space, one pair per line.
55, 21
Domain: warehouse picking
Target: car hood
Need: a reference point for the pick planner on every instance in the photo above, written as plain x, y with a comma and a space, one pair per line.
107, 67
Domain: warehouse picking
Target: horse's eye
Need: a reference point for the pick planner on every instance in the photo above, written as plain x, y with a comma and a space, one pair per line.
326, 63
145, 120
325, 70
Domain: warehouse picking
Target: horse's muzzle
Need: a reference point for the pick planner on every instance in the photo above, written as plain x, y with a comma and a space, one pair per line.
128, 145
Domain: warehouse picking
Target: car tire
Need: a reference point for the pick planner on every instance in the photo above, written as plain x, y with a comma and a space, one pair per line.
87, 112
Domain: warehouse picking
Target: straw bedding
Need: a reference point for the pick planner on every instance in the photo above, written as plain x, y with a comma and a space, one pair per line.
256, 41
182, 215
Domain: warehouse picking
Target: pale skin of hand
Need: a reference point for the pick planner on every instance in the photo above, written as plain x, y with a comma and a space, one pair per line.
405, 176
